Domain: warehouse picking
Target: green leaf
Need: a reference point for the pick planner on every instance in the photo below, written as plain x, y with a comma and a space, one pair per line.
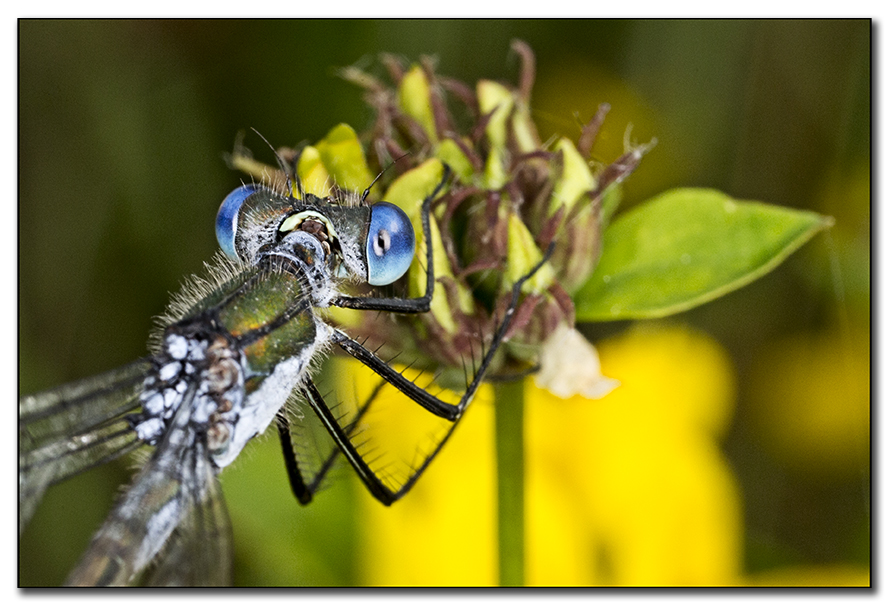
687, 247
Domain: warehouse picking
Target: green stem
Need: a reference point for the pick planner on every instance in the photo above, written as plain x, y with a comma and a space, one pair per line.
509, 425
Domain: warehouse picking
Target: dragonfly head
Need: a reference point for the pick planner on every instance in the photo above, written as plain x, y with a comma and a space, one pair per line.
375, 243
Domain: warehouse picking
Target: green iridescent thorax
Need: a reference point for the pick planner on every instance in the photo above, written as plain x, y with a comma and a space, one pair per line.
271, 316
267, 312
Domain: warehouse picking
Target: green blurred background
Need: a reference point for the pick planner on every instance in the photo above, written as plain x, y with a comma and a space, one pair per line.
122, 130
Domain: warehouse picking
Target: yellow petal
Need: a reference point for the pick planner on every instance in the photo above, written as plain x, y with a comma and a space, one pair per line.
343, 157
413, 97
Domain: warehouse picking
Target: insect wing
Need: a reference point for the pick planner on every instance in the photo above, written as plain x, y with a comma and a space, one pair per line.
147, 513
69, 429
199, 551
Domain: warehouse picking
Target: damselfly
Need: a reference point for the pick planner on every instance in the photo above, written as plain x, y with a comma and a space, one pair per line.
234, 351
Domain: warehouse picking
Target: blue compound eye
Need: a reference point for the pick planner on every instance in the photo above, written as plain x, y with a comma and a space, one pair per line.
227, 218
390, 244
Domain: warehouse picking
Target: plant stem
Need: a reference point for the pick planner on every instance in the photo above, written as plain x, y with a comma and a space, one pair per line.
510, 440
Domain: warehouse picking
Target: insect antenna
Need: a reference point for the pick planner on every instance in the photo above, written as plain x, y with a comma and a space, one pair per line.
300, 192
377, 178
287, 170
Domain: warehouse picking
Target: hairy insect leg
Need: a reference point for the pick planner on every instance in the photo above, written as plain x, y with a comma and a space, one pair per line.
451, 412
305, 482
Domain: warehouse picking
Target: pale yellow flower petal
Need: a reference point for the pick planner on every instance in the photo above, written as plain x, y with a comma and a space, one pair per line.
443, 533
569, 366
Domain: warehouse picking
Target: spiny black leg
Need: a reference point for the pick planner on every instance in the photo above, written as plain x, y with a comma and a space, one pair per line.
341, 437
297, 483
400, 304
368, 358
431, 403
303, 488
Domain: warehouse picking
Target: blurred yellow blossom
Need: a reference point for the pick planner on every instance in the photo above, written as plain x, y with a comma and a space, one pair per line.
636, 480
811, 402
630, 489
444, 532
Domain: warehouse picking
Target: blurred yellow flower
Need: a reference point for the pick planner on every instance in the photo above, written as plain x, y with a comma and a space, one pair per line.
444, 531
632, 489
810, 403
627, 490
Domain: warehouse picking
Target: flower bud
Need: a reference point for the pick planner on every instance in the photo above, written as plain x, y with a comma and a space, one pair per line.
508, 199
